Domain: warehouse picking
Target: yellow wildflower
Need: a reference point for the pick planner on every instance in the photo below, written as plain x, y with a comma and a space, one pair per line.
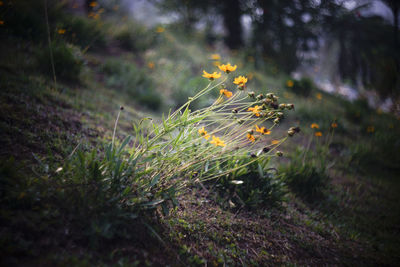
275, 142
204, 133
216, 63
227, 68
250, 76
93, 4
255, 110
217, 142
262, 130
227, 93
290, 83
314, 126
150, 65
240, 81
334, 125
1, 22
61, 31
211, 76
370, 129
251, 137
1, 3
160, 29
318, 134
215, 57
318, 96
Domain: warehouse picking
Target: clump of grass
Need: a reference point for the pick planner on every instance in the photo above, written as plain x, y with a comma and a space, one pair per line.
302, 87
132, 80
135, 37
68, 61
307, 172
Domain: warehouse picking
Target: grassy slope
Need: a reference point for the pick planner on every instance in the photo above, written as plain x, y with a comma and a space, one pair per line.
357, 223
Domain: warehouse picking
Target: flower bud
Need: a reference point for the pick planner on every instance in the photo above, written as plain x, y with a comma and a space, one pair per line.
266, 149
260, 96
270, 95
277, 120
274, 106
279, 114
250, 131
240, 121
251, 94
291, 133
234, 111
279, 153
290, 106
253, 155
282, 106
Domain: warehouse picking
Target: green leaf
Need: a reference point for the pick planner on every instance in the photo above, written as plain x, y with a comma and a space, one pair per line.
154, 181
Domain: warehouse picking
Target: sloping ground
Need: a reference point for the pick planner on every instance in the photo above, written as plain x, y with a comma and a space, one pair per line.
356, 224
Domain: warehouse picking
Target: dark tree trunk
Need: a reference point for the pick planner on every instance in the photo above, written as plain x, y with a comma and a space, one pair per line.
232, 13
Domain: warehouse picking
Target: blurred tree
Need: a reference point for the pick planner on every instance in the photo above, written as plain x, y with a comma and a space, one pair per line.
394, 6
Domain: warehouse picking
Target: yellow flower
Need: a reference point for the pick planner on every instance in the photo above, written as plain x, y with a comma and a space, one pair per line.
275, 142
250, 75
334, 125
217, 142
211, 76
61, 31
160, 29
314, 126
150, 65
1, 3
255, 110
240, 81
93, 4
318, 96
370, 129
227, 93
251, 137
216, 63
262, 130
318, 134
290, 83
1, 22
227, 68
204, 133
215, 57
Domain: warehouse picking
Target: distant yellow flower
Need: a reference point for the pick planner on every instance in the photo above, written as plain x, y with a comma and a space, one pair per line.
318, 134
227, 68
227, 93
275, 142
160, 29
251, 137
1, 22
262, 130
204, 133
215, 57
255, 110
314, 126
93, 4
1, 3
334, 125
290, 83
370, 129
250, 76
217, 142
61, 31
211, 76
151, 65
240, 81
318, 96
216, 63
